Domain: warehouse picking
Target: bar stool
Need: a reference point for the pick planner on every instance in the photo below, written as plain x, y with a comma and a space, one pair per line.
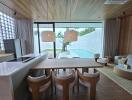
37, 85
64, 82
89, 80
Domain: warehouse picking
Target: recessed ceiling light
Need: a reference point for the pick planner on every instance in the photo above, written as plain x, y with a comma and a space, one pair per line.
115, 1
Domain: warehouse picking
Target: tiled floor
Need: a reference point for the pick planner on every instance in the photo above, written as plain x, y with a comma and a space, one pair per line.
106, 90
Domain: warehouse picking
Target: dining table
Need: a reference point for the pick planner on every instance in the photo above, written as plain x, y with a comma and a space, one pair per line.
67, 63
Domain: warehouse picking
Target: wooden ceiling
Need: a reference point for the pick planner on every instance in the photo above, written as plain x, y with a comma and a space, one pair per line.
67, 10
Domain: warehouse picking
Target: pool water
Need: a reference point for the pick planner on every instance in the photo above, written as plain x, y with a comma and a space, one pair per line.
82, 53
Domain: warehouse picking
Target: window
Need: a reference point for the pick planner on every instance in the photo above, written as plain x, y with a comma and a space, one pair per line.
7, 28
89, 42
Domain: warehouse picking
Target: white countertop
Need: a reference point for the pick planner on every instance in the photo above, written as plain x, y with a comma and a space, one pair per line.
8, 68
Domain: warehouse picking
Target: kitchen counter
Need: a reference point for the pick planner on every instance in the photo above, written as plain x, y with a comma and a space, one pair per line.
6, 56
12, 78
8, 68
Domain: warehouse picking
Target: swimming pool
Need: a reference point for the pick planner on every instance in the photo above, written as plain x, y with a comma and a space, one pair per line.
82, 53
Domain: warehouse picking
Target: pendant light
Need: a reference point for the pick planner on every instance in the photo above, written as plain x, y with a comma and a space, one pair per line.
48, 36
70, 35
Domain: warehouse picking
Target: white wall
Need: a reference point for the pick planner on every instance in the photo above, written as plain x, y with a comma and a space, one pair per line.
91, 42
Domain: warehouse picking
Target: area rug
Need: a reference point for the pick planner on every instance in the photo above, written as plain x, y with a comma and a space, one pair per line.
122, 82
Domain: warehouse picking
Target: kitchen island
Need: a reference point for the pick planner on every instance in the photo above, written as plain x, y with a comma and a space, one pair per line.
13, 78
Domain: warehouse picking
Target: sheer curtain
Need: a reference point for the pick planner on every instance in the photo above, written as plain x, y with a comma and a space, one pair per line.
111, 37
24, 31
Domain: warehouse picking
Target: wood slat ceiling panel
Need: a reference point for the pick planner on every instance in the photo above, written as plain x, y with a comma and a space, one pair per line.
66, 10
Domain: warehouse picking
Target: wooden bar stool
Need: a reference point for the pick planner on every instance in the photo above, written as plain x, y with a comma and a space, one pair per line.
37, 85
64, 82
89, 80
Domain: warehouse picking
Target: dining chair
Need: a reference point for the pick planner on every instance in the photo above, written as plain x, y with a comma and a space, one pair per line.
64, 81
89, 80
38, 85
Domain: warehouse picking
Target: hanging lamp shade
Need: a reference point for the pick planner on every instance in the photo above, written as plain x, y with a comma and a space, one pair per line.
70, 36
48, 36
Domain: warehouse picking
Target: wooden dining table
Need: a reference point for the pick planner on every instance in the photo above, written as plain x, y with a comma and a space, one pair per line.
67, 63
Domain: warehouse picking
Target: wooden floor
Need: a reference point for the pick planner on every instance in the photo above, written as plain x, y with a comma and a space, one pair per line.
106, 90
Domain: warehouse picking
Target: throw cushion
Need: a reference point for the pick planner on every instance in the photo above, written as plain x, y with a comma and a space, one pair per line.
122, 61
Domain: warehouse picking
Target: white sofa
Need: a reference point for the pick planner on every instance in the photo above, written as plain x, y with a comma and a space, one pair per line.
124, 70
128, 62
